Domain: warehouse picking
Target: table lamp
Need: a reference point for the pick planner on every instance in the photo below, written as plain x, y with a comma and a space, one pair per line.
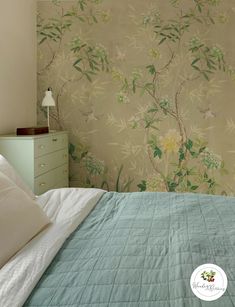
48, 101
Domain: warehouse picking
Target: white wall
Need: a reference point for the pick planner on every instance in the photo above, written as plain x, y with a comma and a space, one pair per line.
17, 64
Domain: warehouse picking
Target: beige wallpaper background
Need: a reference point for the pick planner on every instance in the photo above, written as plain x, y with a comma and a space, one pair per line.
145, 89
18, 62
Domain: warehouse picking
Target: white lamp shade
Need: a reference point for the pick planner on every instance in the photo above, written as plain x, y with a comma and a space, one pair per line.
48, 100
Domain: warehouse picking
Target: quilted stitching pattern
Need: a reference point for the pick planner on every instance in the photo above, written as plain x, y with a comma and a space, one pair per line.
139, 250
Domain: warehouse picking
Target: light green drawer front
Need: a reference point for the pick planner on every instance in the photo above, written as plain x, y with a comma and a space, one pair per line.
49, 144
62, 184
48, 162
51, 179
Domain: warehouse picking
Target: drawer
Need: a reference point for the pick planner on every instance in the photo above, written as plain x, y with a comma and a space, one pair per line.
51, 179
49, 144
62, 176
62, 184
50, 161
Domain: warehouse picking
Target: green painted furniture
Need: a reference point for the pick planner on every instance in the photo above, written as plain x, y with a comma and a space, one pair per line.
41, 160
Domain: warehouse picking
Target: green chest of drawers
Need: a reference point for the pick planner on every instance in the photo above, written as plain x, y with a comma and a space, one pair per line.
41, 160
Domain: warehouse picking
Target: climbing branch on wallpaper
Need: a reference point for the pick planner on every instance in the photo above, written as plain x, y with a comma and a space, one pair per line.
166, 66
47, 66
155, 167
59, 95
53, 31
181, 162
159, 72
181, 125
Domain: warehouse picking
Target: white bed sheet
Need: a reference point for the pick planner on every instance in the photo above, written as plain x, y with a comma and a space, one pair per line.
66, 208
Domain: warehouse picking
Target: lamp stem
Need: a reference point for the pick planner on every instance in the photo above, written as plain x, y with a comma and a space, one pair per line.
48, 116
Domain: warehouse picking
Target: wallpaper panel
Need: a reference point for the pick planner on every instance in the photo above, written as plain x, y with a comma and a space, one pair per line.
145, 89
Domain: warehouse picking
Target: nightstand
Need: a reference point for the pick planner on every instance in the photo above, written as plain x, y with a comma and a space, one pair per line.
41, 160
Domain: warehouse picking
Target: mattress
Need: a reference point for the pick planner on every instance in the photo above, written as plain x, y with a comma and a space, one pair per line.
140, 249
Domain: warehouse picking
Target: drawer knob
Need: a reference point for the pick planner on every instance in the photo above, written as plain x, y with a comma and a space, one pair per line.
54, 140
42, 184
42, 165
65, 171
41, 146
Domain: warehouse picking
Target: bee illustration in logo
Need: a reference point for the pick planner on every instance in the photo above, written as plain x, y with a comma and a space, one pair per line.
208, 276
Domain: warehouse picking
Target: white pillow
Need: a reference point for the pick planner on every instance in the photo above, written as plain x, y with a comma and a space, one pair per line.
21, 219
10, 172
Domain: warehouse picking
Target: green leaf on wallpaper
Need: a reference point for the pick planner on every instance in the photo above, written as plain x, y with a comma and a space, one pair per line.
195, 61
157, 152
77, 61
58, 29
78, 68
198, 19
189, 144
205, 75
142, 186
202, 149
179, 174
192, 171
162, 40
148, 122
82, 4
94, 64
210, 65
94, 19
181, 154
91, 72
125, 85
197, 68
71, 148
194, 187
134, 86
42, 40
118, 178
171, 185
199, 7
151, 68
148, 86
87, 76
68, 14
153, 110
81, 18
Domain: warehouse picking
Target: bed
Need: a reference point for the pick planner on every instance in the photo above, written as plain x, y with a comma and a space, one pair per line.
122, 250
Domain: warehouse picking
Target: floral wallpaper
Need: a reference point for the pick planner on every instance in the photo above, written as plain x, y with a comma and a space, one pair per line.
145, 90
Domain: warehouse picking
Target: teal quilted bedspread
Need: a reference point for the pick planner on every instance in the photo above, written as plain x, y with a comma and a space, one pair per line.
139, 250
